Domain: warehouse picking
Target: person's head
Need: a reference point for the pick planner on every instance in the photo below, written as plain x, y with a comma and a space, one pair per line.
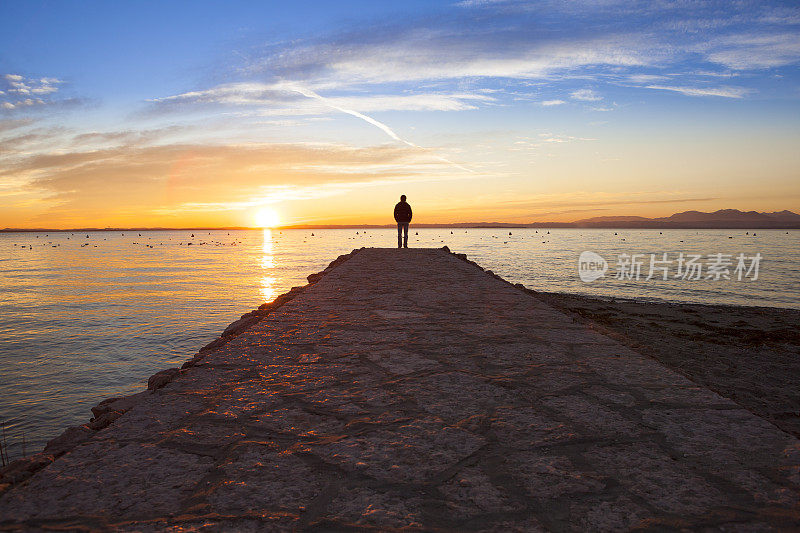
402, 197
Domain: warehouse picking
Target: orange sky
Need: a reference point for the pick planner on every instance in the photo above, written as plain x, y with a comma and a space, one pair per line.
461, 106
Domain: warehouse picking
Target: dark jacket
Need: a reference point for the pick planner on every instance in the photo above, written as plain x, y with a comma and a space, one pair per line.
402, 213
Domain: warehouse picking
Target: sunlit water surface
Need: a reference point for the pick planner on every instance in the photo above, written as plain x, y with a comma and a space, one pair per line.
87, 316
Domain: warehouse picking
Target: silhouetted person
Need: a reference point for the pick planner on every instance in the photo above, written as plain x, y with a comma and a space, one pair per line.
402, 215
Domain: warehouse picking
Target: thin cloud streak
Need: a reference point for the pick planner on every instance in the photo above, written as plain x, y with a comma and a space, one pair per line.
383, 127
380, 125
724, 92
280, 99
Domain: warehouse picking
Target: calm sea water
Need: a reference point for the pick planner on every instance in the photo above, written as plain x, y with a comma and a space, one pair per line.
87, 316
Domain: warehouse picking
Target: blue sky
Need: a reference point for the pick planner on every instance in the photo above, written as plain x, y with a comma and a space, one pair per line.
203, 113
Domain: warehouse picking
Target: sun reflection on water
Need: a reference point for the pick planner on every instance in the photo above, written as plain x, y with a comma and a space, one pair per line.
268, 282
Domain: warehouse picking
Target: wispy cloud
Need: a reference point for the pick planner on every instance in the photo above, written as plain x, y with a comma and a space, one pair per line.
757, 51
282, 98
428, 54
13, 124
600, 41
480, 3
645, 78
585, 95
724, 92
548, 103
547, 140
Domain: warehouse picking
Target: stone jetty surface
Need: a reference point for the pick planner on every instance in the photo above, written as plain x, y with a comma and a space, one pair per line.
411, 389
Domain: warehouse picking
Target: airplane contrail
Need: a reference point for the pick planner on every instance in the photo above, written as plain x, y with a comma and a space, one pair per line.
308, 93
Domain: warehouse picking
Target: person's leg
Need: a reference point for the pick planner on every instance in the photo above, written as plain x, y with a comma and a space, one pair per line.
399, 237
405, 235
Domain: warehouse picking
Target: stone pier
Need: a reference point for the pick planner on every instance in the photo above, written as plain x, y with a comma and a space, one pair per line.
411, 389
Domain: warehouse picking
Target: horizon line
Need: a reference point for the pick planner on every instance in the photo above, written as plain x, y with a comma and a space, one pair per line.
604, 222
483, 225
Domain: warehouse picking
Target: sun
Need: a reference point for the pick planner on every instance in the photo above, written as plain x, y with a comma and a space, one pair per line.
267, 218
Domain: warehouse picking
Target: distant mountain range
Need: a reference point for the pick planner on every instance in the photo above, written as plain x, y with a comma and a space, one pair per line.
722, 219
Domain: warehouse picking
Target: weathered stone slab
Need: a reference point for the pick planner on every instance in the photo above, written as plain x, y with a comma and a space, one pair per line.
409, 389
257, 477
412, 452
109, 480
